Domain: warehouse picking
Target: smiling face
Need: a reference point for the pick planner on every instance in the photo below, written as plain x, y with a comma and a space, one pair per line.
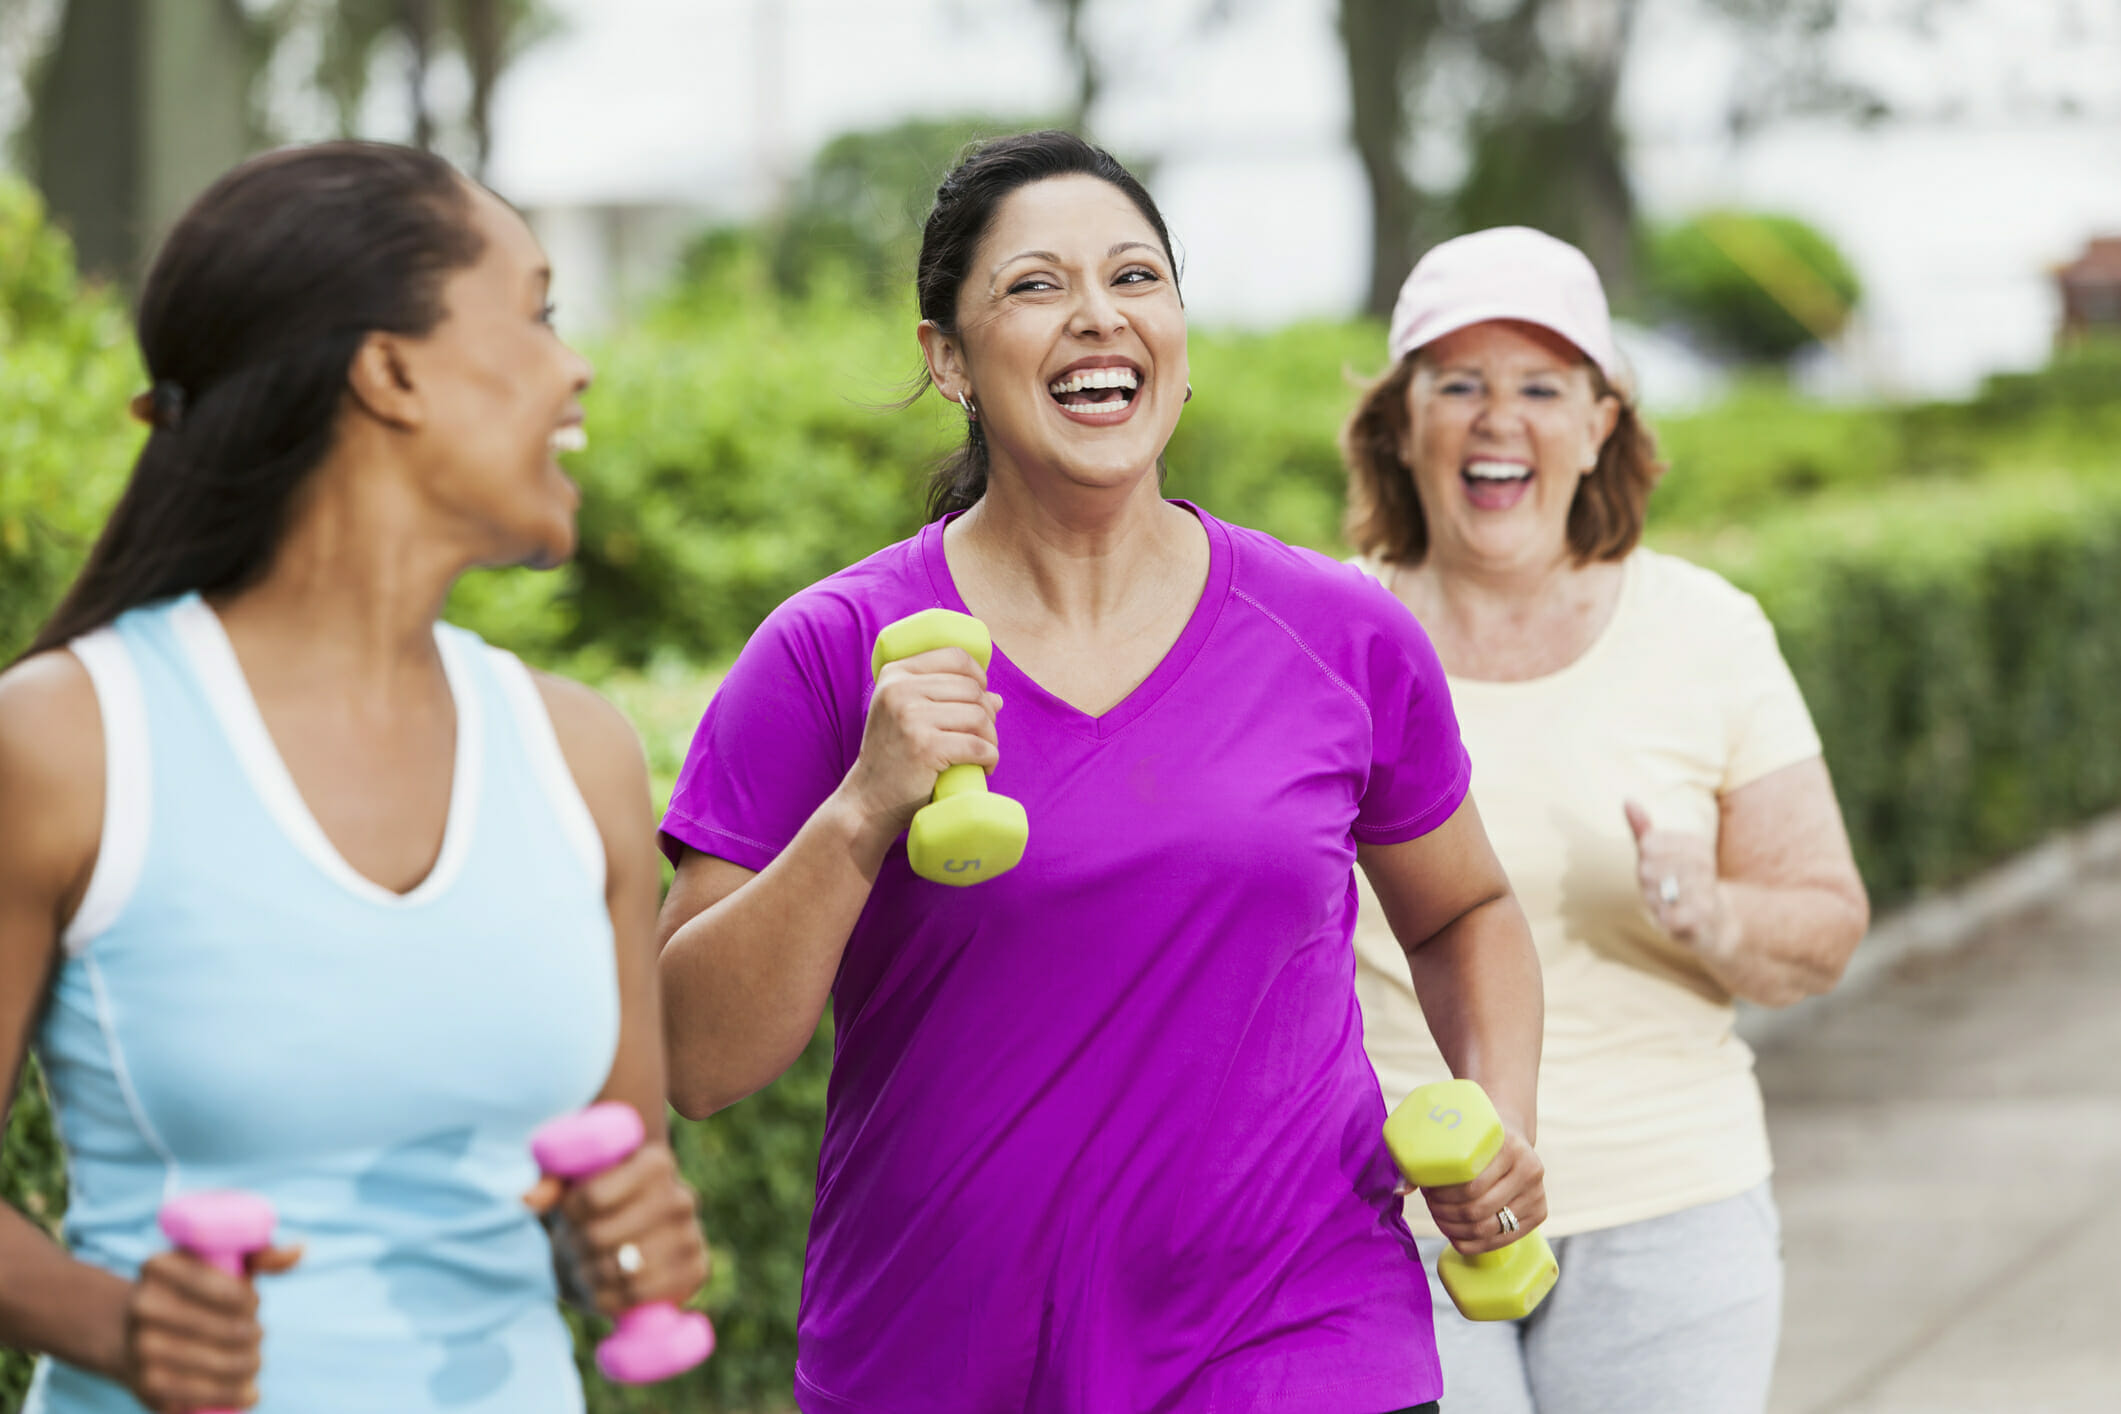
1070, 338
499, 398
1503, 423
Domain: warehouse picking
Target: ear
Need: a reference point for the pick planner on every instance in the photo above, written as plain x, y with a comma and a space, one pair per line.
1406, 443
381, 381
1605, 416
946, 360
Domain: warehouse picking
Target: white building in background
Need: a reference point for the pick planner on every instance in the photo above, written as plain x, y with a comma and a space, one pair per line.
649, 118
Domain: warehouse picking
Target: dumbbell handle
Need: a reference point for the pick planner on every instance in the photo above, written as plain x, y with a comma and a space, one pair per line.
655, 1340
966, 778
923, 633
220, 1228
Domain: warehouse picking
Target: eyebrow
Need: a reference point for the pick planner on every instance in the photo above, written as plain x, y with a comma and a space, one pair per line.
1049, 255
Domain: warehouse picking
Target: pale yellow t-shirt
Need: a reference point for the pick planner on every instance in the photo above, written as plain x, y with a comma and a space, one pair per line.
1647, 1101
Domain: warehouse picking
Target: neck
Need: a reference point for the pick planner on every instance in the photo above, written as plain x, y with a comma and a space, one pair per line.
1078, 554
1471, 586
355, 585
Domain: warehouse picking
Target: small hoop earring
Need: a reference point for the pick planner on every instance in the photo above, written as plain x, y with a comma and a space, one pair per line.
1189, 392
964, 400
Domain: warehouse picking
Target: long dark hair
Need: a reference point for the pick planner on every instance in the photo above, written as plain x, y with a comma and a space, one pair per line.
249, 321
965, 204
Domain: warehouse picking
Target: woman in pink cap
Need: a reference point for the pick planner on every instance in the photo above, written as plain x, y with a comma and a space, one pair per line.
1653, 784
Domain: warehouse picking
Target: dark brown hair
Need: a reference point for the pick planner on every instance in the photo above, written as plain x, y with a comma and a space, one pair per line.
965, 205
248, 323
1384, 516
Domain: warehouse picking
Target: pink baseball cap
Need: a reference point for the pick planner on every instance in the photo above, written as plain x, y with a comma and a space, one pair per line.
1507, 272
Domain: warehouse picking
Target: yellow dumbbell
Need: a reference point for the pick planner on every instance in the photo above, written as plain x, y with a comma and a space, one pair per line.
1445, 1134
966, 834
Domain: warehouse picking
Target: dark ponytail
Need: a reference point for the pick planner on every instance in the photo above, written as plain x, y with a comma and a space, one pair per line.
249, 321
965, 205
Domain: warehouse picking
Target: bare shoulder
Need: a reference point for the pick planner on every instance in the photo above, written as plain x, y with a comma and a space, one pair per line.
50, 726
601, 746
51, 766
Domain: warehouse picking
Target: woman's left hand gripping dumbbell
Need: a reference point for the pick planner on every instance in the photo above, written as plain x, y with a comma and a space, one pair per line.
634, 1228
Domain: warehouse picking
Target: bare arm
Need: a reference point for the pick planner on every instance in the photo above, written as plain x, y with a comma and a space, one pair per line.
1476, 974
183, 1335
1776, 908
1470, 952
51, 821
605, 759
749, 959
643, 1201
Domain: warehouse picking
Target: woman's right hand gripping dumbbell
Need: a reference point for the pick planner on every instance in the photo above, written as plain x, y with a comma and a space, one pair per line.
192, 1337
927, 713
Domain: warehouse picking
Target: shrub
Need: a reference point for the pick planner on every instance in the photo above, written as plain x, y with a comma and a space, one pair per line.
1760, 286
1955, 646
66, 437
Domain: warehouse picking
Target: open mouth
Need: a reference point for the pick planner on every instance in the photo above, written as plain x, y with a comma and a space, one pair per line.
1102, 394
572, 438
1494, 485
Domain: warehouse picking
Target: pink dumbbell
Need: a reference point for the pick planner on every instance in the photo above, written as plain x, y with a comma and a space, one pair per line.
651, 1342
219, 1227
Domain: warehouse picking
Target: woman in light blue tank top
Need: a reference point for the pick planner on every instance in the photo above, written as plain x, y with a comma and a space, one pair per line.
301, 892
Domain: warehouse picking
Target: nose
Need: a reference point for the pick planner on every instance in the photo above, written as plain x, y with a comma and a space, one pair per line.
580, 372
1097, 314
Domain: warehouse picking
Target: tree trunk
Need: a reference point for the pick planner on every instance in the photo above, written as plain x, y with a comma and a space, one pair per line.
88, 132
416, 20
485, 37
1383, 41
141, 105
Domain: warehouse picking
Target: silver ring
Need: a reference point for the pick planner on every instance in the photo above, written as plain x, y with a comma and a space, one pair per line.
628, 1257
1507, 1218
1668, 889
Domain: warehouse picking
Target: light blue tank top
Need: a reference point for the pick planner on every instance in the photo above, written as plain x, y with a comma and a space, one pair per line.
238, 1008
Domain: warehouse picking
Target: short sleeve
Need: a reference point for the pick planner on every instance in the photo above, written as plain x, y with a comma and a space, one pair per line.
1769, 725
1419, 769
770, 748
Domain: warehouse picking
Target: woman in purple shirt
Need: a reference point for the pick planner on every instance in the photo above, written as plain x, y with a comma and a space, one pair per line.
1101, 1132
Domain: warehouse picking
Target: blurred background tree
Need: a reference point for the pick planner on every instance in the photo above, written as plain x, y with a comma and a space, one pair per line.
137, 104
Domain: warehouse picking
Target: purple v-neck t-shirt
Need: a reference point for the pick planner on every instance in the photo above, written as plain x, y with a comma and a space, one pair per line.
1101, 1134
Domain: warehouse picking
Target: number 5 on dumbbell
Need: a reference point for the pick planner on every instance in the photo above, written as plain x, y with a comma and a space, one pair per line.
1447, 1134
966, 834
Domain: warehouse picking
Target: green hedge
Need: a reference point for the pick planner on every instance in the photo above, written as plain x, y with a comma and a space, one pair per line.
1956, 647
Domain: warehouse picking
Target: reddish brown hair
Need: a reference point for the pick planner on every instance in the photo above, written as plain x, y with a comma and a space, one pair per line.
1384, 516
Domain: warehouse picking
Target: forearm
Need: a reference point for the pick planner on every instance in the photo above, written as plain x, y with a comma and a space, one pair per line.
1478, 982
1781, 943
51, 1304
745, 982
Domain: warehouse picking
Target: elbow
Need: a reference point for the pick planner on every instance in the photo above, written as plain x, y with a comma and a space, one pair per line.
690, 1103
698, 1097
1844, 935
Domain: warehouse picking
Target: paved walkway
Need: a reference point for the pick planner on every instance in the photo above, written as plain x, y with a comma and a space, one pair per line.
1948, 1151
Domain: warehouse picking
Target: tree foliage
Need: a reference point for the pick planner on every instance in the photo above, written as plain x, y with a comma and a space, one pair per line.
1758, 285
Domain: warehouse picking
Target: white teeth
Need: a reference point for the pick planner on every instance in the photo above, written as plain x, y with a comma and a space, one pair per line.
1103, 409
1094, 378
1497, 471
571, 439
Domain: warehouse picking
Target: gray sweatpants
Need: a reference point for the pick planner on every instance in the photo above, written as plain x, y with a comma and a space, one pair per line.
1672, 1315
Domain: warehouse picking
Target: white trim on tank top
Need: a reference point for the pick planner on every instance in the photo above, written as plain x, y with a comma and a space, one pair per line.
548, 762
213, 658
128, 787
